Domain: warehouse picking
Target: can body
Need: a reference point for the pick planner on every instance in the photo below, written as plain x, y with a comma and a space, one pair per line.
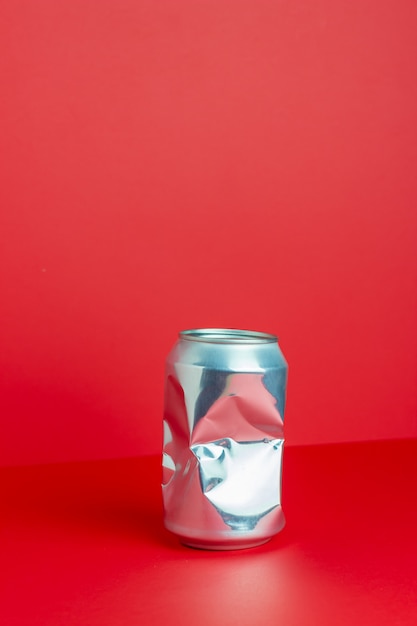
223, 438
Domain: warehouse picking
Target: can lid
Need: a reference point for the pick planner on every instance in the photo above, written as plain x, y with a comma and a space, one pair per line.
227, 335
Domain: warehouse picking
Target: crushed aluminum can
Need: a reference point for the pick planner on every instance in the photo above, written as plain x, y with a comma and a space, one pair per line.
223, 438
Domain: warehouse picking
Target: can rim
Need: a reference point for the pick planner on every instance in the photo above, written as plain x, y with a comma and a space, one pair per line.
227, 335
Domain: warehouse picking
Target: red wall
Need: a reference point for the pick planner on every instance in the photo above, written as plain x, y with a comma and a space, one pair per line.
204, 163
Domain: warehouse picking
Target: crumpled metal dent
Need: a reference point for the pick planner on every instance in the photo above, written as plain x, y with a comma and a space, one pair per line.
222, 458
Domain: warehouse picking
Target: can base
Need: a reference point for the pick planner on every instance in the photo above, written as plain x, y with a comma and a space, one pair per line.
241, 544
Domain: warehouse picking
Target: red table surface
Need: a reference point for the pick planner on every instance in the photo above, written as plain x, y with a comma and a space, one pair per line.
84, 543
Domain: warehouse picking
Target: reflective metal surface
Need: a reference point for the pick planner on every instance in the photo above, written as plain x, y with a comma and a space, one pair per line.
223, 438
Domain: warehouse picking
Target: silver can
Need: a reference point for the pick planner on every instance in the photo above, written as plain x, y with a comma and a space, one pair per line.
225, 395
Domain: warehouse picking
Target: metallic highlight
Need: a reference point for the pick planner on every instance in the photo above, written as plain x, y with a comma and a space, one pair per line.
223, 442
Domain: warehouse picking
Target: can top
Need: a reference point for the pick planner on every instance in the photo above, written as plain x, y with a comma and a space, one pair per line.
227, 335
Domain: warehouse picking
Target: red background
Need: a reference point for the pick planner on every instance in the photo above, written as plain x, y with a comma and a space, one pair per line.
204, 163
85, 546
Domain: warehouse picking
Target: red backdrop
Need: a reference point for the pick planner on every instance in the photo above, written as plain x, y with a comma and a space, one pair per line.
204, 163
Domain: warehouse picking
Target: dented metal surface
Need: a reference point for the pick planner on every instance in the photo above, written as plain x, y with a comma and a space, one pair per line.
223, 438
